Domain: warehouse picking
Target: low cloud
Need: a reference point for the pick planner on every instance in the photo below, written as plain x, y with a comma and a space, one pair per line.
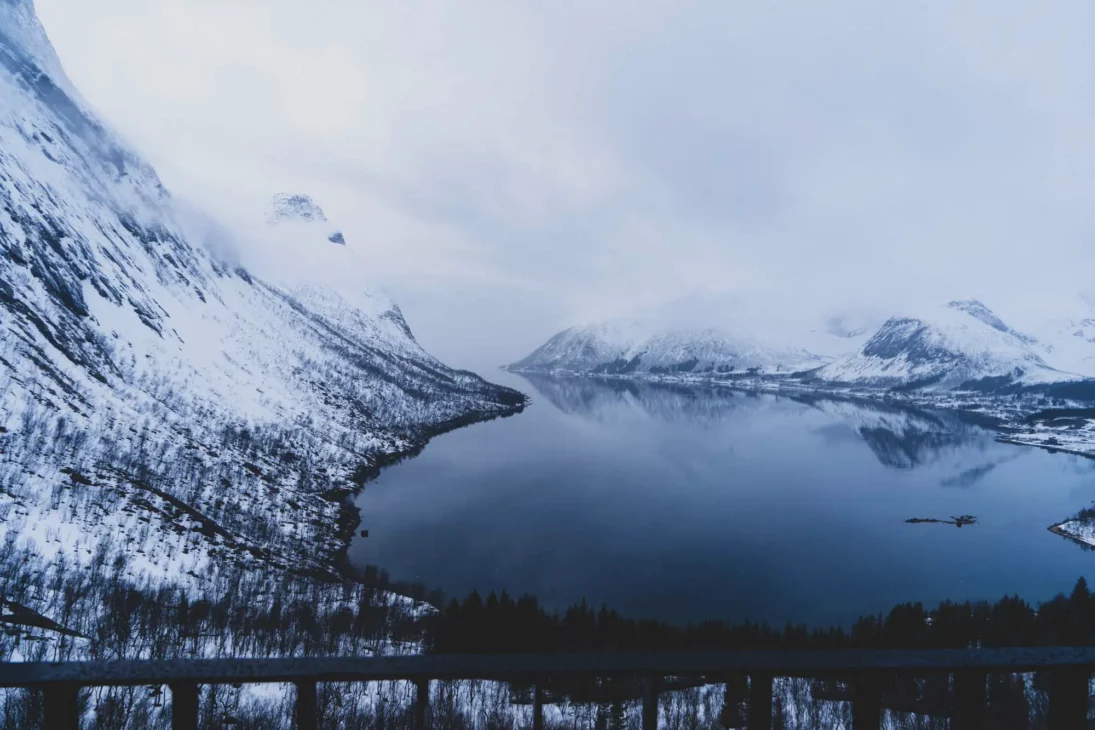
508, 168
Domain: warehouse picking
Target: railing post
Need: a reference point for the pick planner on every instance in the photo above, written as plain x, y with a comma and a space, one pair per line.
1068, 690
969, 700
307, 710
184, 706
866, 703
421, 703
62, 707
760, 702
650, 703
537, 707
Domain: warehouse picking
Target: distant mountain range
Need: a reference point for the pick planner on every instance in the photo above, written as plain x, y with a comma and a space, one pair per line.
961, 345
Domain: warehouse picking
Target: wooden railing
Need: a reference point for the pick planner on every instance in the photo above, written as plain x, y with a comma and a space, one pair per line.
865, 673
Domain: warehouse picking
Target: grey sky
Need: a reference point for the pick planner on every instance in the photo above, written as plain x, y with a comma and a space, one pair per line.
509, 168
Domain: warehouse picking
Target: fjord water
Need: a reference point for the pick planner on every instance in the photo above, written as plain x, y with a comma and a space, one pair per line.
691, 503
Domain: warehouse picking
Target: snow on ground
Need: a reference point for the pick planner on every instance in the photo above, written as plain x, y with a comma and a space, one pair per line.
1079, 439
1079, 530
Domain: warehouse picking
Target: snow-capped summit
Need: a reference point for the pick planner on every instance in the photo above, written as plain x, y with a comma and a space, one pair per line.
287, 209
978, 310
704, 333
962, 344
21, 33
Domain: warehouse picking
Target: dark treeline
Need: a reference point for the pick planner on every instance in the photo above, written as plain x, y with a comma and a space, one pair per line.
241, 613
501, 624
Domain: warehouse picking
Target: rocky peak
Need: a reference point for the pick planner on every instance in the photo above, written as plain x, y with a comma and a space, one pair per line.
979, 311
22, 36
293, 207
296, 208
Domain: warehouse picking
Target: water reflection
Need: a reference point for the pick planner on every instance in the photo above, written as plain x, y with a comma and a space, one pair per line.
609, 401
899, 437
686, 503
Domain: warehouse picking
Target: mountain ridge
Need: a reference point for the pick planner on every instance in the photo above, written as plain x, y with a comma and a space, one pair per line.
620, 348
186, 390
961, 343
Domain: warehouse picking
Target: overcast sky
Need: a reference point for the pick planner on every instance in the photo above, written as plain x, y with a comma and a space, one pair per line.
514, 167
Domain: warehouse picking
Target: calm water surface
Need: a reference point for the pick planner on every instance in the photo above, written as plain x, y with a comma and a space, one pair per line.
691, 503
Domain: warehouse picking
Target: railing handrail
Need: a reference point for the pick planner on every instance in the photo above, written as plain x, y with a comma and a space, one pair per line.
517, 667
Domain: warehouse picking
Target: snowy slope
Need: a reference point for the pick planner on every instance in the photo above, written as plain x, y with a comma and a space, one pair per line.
1070, 344
1063, 333
213, 410
960, 344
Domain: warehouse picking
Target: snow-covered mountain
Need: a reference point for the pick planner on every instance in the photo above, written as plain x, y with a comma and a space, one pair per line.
620, 348
704, 333
220, 413
962, 344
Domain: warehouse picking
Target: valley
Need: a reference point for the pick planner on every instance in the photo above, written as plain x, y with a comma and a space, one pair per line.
236, 423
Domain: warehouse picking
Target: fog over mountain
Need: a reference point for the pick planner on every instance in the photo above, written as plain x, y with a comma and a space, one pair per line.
510, 169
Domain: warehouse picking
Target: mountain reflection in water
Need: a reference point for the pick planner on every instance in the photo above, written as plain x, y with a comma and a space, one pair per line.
900, 438
686, 503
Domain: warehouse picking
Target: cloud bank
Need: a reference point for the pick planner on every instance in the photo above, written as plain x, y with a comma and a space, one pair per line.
507, 168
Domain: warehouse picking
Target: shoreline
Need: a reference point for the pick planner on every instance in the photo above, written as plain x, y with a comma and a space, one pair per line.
1059, 530
349, 518
1051, 448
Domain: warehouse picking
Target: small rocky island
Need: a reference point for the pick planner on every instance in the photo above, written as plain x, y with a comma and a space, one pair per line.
958, 521
1080, 528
